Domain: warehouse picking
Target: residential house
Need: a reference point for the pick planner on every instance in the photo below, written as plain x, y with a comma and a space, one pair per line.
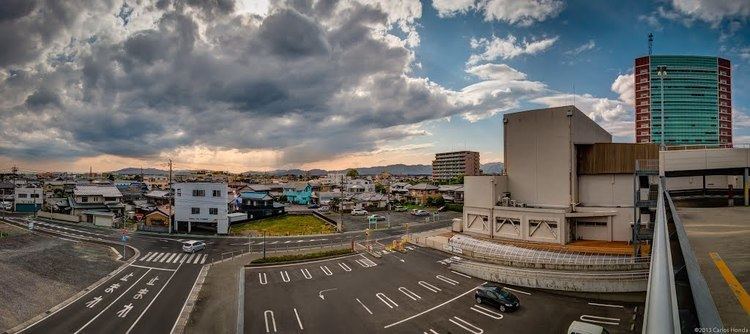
202, 205
259, 204
422, 191
371, 199
399, 190
7, 190
453, 193
156, 220
156, 182
359, 186
28, 198
98, 204
157, 197
298, 192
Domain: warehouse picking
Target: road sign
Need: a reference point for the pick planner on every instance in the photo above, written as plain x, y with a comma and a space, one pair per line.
125, 238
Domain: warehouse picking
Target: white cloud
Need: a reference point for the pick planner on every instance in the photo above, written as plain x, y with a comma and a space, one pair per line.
590, 45
507, 48
522, 13
713, 11
613, 115
624, 87
496, 71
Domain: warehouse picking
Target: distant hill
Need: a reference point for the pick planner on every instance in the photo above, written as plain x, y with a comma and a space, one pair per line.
146, 171
492, 168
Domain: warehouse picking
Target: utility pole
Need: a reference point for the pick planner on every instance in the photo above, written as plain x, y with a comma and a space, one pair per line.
171, 196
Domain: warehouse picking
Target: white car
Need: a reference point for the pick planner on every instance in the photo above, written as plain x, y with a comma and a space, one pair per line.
420, 213
7, 206
192, 246
359, 212
580, 327
377, 217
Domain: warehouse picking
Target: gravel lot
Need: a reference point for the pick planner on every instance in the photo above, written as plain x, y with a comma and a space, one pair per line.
39, 271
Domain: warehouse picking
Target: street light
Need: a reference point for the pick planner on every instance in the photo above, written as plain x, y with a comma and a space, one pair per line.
661, 72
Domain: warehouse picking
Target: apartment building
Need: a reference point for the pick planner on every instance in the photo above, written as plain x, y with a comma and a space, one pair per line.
201, 204
450, 165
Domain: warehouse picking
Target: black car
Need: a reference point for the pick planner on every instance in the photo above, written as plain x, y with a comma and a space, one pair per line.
497, 297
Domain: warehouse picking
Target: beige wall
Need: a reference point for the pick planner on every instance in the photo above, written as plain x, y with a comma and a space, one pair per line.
704, 159
696, 182
606, 190
484, 191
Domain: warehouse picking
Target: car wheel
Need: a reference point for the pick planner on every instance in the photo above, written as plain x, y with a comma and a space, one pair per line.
479, 300
502, 308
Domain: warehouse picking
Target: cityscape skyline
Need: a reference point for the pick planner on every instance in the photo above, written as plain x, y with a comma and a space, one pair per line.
112, 91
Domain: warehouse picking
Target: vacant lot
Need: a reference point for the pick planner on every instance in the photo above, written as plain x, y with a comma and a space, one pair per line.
38, 272
284, 225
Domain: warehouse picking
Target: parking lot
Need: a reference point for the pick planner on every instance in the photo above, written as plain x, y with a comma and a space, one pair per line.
358, 223
412, 292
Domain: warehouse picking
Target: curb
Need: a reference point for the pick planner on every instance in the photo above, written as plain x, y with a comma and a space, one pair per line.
33, 321
187, 309
260, 265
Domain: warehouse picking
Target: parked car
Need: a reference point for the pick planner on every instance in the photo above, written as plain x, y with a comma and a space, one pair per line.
313, 206
192, 246
580, 327
359, 212
498, 297
7, 206
420, 213
324, 209
376, 217
400, 209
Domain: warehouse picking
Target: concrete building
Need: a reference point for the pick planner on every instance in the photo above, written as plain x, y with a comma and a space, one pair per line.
359, 186
564, 181
28, 199
201, 204
451, 165
697, 100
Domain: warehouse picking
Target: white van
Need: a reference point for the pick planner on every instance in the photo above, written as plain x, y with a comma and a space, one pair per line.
192, 246
580, 327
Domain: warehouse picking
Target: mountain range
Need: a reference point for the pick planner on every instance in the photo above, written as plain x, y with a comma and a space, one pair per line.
397, 169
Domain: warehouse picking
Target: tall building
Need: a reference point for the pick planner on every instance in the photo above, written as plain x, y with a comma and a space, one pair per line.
451, 165
697, 100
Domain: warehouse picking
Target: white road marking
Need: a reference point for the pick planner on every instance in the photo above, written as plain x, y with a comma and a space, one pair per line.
197, 258
125, 310
519, 291
431, 309
298, 241
429, 286
113, 302
145, 256
190, 258
490, 313
285, 276
93, 302
409, 293
157, 257
154, 299
177, 258
326, 270
152, 256
607, 305
447, 280
363, 305
260, 243
262, 278
167, 258
345, 267
306, 273
460, 274
203, 260
369, 262
432, 331
409, 247
469, 327
600, 320
288, 241
387, 301
273, 321
299, 321
273, 242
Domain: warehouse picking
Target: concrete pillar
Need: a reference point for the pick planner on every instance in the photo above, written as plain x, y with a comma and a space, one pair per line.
746, 185
189, 226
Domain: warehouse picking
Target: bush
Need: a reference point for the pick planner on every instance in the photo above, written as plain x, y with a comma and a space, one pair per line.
299, 257
454, 207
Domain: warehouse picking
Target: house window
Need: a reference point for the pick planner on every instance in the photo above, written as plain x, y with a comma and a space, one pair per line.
21, 195
34, 195
179, 192
199, 193
195, 211
217, 193
213, 211
84, 199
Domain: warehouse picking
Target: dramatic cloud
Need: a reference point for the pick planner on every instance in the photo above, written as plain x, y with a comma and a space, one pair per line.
713, 11
624, 86
522, 13
590, 45
507, 48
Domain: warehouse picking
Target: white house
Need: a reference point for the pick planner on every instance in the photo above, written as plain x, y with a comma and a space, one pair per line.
360, 186
201, 204
28, 199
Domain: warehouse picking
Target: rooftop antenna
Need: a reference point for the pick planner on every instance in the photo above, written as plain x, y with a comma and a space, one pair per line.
650, 43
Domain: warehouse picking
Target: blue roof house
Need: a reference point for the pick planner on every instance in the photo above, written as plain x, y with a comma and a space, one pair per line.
298, 193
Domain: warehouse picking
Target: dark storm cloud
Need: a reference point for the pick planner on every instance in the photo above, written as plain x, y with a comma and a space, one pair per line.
311, 79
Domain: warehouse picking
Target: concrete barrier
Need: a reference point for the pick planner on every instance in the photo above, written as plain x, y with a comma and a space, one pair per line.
577, 281
58, 216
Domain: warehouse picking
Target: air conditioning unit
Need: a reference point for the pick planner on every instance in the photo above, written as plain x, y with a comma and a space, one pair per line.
512, 202
505, 201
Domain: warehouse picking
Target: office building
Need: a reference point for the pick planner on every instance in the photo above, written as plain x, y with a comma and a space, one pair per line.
451, 165
201, 204
697, 100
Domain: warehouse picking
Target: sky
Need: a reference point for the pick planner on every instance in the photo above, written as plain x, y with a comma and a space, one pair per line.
260, 85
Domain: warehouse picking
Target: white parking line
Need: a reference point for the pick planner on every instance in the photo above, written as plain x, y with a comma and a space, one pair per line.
447, 280
306, 273
288, 241
409, 293
362, 263
262, 278
490, 313
387, 301
285, 276
460, 274
273, 321
519, 291
363, 305
273, 242
299, 321
345, 267
429, 286
432, 331
600, 320
469, 327
607, 305
145, 256
409, 247
326, 270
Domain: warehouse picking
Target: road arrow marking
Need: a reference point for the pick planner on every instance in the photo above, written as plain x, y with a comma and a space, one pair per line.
93, 302
153, 280
320, 293
126, 277
124, 312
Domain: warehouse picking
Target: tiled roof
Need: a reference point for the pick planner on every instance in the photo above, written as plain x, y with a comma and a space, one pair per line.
423, 186
106, 191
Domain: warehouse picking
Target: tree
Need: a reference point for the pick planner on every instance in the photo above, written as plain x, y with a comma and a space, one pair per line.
352, 173
380, 188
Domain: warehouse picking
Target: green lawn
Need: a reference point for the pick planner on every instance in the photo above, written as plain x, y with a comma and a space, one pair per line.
284, 225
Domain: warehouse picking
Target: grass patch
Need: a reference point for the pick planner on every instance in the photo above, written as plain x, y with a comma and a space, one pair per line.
284, 225
300, 257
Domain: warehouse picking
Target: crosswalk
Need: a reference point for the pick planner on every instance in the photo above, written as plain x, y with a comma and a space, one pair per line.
164, 257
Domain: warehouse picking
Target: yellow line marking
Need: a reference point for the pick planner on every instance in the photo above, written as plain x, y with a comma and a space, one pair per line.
735, 285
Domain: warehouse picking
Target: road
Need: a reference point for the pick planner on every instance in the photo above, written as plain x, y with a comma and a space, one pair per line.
148, 294
413, 292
